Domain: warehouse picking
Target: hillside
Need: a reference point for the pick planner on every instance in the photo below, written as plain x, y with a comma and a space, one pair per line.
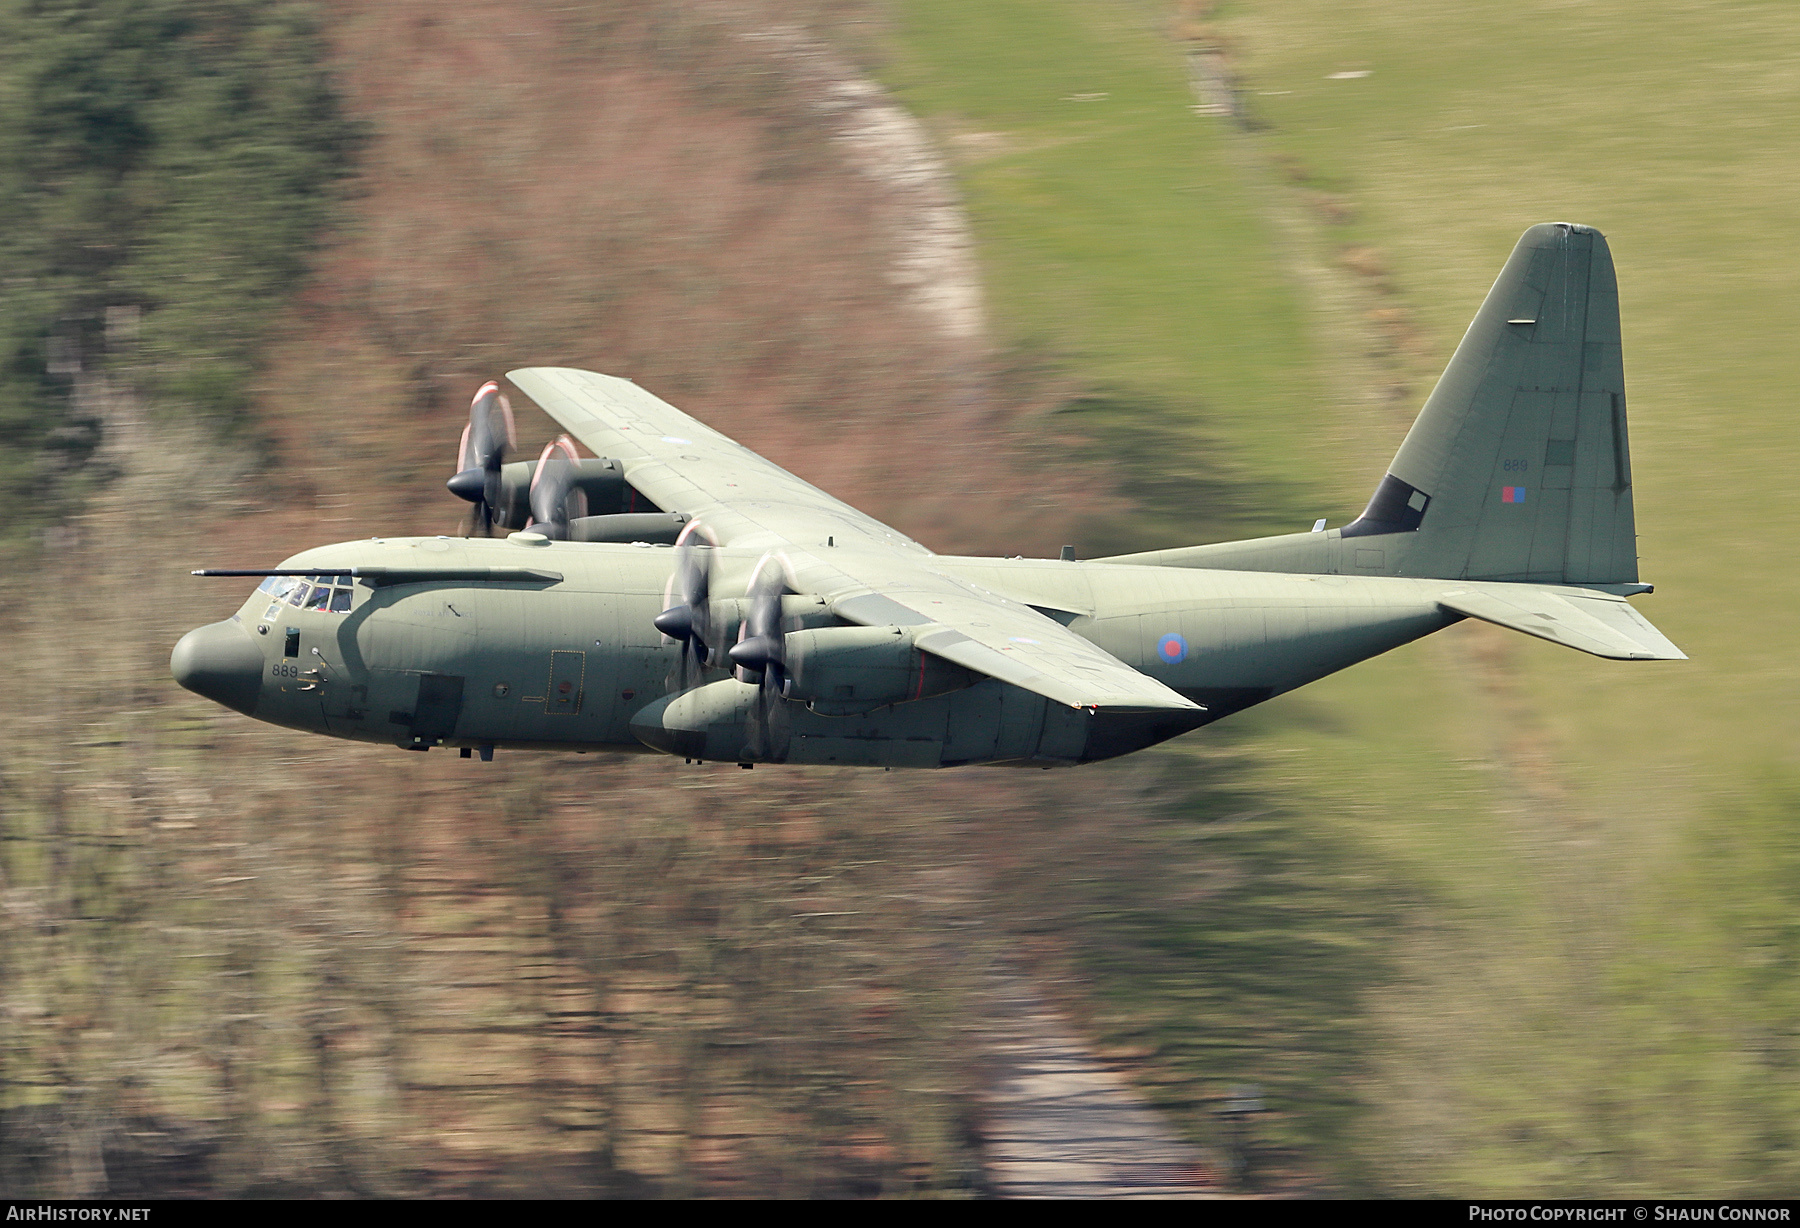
1577, 977
240, 962
1635, 816
652, 194
165, 171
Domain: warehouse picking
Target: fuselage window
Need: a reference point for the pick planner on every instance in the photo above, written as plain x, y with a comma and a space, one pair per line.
340, 600
298, 597
319, 598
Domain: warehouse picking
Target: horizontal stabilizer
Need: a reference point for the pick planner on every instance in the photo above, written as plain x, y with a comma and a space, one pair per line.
1594, 622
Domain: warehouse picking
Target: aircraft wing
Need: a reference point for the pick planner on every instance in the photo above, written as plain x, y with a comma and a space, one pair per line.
865, 571
979, 630
684, 465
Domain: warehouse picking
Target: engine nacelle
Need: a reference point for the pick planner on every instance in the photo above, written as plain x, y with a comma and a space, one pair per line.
710, 722
841, 671
658, 528
600, 479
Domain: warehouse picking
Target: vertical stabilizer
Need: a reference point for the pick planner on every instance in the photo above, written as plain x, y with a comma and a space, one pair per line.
1518, 466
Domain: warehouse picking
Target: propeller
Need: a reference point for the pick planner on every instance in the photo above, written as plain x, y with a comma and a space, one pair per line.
480, 456
553, 490
688, 617
760, 656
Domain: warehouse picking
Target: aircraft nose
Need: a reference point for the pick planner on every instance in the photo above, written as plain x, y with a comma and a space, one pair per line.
221, 662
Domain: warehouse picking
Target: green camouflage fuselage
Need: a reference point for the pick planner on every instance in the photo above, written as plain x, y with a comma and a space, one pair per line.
567, 664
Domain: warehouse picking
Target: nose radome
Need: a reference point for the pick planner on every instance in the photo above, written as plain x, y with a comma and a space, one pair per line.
221, 662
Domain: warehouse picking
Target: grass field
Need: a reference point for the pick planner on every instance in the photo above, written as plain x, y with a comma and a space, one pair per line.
1119, 242
1659, 124
1595, 994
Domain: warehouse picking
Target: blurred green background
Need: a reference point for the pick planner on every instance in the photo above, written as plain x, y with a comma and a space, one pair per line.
1590, 987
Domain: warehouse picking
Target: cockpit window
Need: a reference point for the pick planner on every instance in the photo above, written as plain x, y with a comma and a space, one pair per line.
322, 596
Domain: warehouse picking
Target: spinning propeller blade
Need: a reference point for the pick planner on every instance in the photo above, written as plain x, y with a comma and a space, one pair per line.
688, 617
760, 656
553, 490
481, 454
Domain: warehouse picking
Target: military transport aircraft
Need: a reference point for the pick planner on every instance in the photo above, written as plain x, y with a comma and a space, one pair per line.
685, 596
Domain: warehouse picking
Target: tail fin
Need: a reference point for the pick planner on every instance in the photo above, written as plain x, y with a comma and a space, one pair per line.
1517, 468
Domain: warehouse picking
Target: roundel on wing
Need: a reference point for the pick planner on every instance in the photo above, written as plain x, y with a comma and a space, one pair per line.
1172, 648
